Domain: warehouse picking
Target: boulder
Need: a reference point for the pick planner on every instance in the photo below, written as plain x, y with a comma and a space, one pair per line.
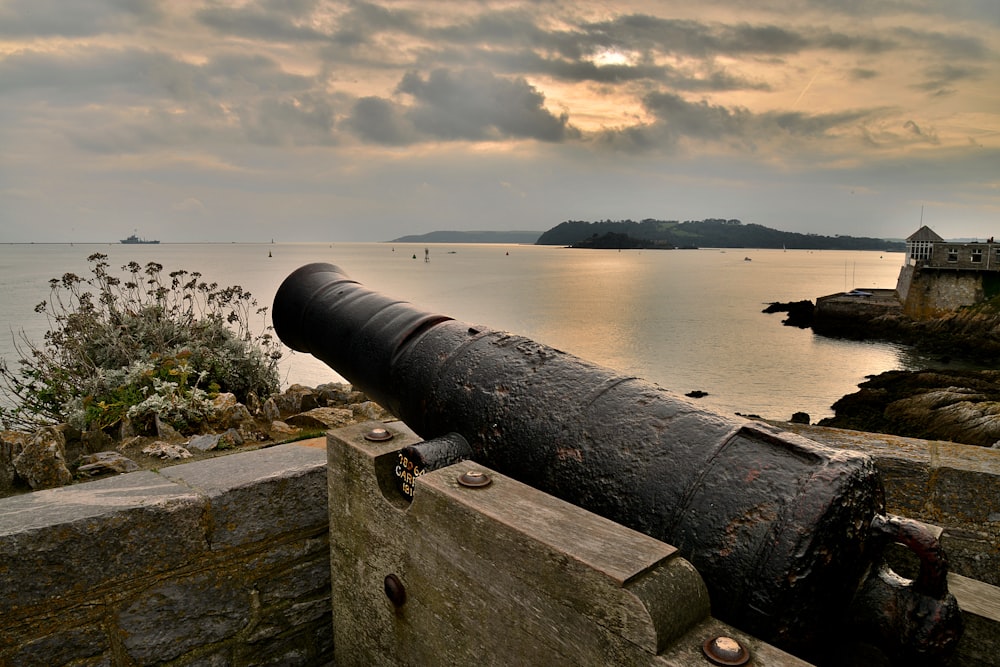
166, 450
270, 410
279, 427
42, 462
165, 431
230, 439
295, 399
229, 412
41, 459
11, 444
370, 411
800, 313
106, 463
322, 418
203, 443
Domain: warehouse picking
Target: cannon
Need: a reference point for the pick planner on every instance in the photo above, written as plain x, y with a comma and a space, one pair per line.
788, 534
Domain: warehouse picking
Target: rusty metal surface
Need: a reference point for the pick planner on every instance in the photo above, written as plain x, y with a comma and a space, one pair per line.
779, 526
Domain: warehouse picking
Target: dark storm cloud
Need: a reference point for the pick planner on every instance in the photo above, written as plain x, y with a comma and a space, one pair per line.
380, 121
863, 73
475, 104
78, 18
965, 10
530, 62
467, 105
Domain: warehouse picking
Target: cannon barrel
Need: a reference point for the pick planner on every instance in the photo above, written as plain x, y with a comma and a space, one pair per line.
780, 527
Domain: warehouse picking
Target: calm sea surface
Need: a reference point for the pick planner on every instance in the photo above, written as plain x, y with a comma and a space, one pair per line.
684, 319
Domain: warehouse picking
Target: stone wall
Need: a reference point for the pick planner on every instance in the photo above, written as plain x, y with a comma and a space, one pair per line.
227, 561
956, 487
220, 562
903, 281
935, 292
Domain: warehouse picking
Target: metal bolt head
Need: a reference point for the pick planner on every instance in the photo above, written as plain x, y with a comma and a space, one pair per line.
725, 651
378, 435
394, 590
474, 479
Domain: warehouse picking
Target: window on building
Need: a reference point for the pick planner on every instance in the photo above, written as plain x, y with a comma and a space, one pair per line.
919, 250
977, 254
952, 254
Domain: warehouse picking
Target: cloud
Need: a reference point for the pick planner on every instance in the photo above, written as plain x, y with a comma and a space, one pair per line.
338, 101
287, 22
380, 121
677, 120
467, 105
475, 104
79, 18
941, 77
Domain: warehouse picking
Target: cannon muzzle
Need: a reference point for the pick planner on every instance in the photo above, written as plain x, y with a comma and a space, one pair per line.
787, 533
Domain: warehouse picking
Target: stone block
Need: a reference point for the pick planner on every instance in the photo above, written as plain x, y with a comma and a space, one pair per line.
67, 539
180, 614
254, 495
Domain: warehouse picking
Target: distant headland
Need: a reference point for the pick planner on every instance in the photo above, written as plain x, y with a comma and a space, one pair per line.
519, 237
665, 234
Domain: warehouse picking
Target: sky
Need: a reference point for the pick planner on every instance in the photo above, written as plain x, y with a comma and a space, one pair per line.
320, 120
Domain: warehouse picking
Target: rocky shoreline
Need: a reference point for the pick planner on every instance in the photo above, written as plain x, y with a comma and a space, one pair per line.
953, 405
961, 406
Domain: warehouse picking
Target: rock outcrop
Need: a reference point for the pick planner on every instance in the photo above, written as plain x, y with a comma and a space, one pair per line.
959, 406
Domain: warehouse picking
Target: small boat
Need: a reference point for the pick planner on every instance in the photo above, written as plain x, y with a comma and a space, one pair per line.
134, 240
747, 259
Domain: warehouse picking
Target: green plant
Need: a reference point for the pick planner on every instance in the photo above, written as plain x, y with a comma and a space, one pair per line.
136, 347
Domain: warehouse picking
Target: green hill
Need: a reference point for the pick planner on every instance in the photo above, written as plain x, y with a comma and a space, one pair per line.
710, 233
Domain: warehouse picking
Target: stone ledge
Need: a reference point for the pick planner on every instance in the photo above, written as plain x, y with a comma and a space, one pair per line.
244, 491
164, 518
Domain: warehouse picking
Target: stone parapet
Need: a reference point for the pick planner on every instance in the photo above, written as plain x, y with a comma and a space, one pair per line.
956, 487
228, 561
224, 561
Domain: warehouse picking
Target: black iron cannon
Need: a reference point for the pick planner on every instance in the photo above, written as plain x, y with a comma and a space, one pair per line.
787, 534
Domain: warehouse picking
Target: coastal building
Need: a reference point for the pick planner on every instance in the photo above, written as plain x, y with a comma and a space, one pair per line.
940, 276
920, 245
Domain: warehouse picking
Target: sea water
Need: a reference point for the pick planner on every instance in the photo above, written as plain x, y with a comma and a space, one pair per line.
688, 320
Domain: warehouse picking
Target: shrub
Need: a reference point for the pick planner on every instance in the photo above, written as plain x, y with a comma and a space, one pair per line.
135, 347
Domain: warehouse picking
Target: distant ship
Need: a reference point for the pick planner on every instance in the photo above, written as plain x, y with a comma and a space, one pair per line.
133, 239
